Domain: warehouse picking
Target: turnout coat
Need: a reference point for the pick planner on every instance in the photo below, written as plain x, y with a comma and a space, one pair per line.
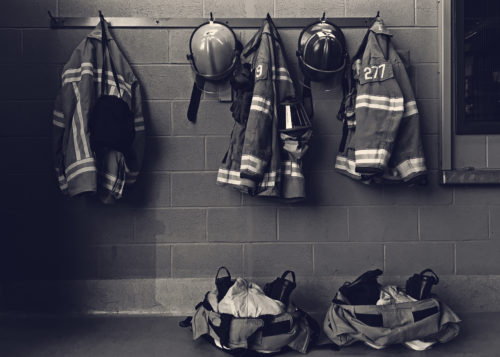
255, 162
75, 163
383, 141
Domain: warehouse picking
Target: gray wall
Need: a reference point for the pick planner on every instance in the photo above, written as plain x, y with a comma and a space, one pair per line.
172, 231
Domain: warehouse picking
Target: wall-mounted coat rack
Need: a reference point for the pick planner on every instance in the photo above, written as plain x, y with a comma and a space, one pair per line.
147, 22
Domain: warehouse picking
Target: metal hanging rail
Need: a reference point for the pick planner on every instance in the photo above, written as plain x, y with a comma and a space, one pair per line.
147, 22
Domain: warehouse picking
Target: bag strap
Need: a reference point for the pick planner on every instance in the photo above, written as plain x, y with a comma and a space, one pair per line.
105, 48
288, 272
434, 275
218, 271
369, 274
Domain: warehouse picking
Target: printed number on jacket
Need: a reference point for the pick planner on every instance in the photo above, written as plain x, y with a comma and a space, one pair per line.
261, 71
376, 72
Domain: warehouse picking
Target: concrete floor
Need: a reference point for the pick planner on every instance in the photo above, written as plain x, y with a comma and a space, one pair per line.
161, 336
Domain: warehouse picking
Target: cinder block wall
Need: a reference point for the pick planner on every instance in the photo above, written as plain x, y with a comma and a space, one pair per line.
158, 249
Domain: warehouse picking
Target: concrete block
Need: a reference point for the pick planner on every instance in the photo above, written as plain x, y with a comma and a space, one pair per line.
469, 151
454, 223
26, 13
43, 79
393, 12
303, 8
31, 155
426, 12
347, 258
322, 152
214, 118
200, 189
494, 222
383, 224
29, 189
143, 45
21, 118
174, 153
429, 115
427, 81
421, 42
215, 149
410, 258
241, 224
117, 8
51, 45
431, 151
312, 224
325, 120
179, 45
353, 38
203, 260
157, 115
476, 195
248, 200
332, 188
478, 258
271, 260
96, 223
238, 8
431, 194
12, 39
165, 82
134, 261
150, 190
493, 147
170, 225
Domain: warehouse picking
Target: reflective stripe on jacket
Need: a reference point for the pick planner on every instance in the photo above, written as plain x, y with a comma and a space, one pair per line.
74, 162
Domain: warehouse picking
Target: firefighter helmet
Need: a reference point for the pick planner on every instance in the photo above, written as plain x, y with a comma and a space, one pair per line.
213, 50
321, 50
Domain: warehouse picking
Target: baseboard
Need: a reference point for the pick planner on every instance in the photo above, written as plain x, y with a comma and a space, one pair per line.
177, 297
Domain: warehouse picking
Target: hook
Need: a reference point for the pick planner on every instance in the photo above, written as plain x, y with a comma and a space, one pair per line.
54, 21
100, 14
378, 14
211, 17
323, 18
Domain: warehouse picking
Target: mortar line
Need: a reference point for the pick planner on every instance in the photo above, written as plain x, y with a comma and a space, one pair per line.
203, 8
206, 225
171, 261
455, 258
419, 222
277, 224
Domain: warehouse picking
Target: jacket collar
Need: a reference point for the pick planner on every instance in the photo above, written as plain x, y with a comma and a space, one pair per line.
97, 33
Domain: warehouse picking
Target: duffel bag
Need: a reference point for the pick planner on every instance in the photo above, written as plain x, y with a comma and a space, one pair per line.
291, 327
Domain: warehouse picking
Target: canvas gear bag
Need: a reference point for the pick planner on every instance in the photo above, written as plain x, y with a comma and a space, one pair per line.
111, 121
365, 290
389, 323
281, 288
266, 333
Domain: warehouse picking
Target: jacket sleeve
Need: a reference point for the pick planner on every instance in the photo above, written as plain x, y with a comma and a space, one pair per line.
59, 124
134, 162
257, 148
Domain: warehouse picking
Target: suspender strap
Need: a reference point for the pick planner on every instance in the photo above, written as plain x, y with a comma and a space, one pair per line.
195, 99
307, 97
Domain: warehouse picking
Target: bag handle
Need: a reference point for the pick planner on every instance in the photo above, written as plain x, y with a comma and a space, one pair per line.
288, 272
218, 271
434, 275
105, 47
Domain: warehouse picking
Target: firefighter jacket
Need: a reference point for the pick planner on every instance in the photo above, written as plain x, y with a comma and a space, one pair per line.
381, 118
75, 163
255, 162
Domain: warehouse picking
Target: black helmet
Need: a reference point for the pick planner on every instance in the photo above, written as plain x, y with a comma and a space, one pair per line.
213, 50
321, 50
